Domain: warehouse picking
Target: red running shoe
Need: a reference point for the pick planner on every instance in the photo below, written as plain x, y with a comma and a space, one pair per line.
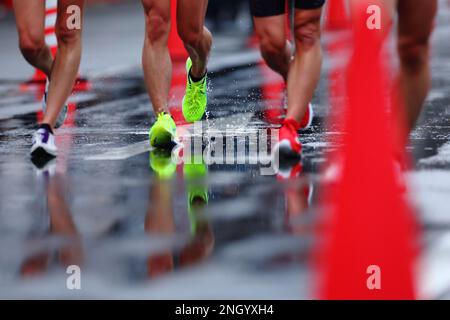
289, 146
308, 118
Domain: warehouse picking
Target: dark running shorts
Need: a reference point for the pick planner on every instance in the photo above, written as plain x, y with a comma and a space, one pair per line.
268, 8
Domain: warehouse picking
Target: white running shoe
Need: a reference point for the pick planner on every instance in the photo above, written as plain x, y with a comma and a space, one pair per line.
43, 144
62, 115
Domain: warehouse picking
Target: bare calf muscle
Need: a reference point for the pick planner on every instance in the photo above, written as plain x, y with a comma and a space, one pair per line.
415, 26
67, 62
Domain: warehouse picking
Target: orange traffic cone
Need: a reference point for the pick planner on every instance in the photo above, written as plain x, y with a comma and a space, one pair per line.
369, 235
337, 16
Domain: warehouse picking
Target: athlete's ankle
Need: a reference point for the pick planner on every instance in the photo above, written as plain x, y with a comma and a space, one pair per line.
292, 122
196, 77
159, 111
46, 126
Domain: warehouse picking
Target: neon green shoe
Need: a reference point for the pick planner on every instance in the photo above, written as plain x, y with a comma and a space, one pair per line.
197, 191
195, 100
163, 132
162, 164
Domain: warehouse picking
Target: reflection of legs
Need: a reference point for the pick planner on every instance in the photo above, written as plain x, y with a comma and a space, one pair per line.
159, 220
30, 25
61, 222
275, 49
195, 36
416, 18
304, 72
155, 56
297, 202
67, 61
202, 242
35, 264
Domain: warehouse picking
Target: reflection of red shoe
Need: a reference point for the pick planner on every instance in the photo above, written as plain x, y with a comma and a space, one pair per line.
290, 172
289, 145
307, 119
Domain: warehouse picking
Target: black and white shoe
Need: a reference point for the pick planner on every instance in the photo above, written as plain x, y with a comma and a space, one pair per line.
43, 145
62, 115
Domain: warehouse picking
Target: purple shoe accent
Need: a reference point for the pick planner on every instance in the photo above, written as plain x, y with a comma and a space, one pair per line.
45, 134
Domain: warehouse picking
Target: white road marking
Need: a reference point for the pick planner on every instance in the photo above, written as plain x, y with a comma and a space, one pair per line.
8, 112
240, 127
122, 153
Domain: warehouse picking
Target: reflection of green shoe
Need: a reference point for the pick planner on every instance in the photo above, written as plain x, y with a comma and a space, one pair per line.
197, 191
163, 132
161, 162
195, 100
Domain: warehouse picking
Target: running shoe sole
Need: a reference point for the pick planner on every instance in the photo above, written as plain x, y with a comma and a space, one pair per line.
162, 139
285, 153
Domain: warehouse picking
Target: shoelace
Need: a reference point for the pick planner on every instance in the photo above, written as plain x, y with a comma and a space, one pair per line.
196, 89
36, 136
160, 116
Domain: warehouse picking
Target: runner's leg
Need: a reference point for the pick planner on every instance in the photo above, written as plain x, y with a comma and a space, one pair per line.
66, 64
155, 56
304, 73
195, 36
30, 18
275, 49
415, 25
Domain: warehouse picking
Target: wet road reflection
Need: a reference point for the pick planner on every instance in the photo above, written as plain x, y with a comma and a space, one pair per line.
57, 224
160, 215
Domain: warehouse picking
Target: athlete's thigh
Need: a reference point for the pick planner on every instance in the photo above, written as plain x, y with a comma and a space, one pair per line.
267, 8
307, 20
30, 16
191, 13
269, 19
158, 7
271, 28
309, 4
416, 19
70, 13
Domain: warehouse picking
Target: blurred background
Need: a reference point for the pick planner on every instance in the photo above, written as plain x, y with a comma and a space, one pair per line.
115, 24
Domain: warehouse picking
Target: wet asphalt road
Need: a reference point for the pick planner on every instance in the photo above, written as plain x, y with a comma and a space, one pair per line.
102, 206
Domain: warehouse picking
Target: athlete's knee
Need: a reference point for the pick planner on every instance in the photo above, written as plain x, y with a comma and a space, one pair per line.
413, 52
192, 35
272, 47
31, 43
68, 36
157, 25
307, 29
